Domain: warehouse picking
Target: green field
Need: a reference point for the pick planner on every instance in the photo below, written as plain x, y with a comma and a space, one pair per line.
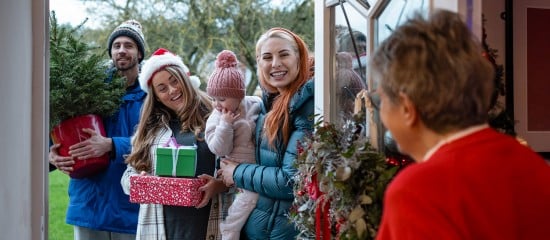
57, 228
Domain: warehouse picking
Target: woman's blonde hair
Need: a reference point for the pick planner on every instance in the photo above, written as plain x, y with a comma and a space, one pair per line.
438, 64
278, 118
155, 116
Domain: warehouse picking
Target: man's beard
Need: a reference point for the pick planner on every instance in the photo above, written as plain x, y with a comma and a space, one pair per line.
132, 64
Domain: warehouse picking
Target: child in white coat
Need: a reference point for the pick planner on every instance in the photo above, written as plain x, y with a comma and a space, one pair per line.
230, 133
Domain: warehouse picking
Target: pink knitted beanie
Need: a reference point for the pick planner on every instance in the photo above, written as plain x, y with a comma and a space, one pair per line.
226, 80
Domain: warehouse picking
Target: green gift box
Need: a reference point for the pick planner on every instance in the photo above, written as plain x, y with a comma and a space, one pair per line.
178, 161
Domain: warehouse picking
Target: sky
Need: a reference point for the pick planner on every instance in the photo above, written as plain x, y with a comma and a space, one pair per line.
74, 11
71, 11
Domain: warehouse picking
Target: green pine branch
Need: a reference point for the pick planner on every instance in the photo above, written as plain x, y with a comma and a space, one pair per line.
77, 77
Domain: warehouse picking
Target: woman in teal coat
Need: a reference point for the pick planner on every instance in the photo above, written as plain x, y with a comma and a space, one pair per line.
284, 74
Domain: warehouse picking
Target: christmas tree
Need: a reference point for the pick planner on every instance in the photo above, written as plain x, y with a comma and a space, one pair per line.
77, 77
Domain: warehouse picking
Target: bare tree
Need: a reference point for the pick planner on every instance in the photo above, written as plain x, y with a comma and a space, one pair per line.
198, 29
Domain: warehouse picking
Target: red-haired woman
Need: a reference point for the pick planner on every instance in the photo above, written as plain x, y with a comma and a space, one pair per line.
284, 74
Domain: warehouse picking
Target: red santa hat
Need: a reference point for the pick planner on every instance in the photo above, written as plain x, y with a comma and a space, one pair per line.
160, 59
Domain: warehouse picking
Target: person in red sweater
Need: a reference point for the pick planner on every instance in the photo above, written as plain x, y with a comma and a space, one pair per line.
469, 181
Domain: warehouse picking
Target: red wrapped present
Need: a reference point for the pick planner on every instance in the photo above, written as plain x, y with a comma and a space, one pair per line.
166, 190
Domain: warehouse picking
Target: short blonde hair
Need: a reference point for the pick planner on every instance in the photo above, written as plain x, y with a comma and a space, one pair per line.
438, 64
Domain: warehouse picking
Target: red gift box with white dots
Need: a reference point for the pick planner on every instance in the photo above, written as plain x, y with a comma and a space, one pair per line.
166, 190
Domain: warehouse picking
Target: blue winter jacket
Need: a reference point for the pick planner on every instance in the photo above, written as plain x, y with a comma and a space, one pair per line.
98, 202
271, 177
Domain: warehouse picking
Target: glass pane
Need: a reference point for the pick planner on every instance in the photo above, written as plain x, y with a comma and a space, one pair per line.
350, 58
394, 14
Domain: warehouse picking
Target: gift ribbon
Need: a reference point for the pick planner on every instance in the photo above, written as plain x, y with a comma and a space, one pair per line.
312, 187
175, 151
322, 221
171, 143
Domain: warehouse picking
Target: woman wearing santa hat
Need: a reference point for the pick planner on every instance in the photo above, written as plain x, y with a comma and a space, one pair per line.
174, 107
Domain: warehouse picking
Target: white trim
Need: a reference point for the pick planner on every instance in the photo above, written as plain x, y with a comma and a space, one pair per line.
322, 61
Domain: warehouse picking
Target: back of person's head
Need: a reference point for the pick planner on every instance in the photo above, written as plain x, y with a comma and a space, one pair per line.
348, 83
345, 41
226, 80
299, 46
131, 29
438, 64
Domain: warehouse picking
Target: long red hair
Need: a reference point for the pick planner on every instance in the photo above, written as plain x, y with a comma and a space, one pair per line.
278, 118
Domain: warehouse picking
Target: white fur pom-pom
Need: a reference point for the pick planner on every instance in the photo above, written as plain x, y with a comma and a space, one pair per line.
195, 81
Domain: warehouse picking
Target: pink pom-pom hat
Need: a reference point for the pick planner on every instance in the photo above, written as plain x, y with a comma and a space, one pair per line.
226, 80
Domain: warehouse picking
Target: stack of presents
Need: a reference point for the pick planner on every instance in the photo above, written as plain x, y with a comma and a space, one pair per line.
174, 181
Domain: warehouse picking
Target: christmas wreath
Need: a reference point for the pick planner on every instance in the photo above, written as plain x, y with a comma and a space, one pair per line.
340, 183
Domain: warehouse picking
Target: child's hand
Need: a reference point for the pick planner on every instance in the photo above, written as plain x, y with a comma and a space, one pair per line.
229, 116
227, 167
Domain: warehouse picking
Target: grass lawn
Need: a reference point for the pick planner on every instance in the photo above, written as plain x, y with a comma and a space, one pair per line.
57, 228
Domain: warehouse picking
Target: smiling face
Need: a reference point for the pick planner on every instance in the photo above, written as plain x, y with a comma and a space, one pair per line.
168, 90
278, 62
125, 53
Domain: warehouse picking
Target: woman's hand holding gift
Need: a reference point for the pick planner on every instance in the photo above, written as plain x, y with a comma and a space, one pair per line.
212, 187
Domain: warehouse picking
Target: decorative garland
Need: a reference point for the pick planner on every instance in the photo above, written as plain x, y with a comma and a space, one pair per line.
339, 184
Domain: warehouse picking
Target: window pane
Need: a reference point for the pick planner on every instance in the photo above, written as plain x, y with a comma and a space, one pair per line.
394, 14
350, 57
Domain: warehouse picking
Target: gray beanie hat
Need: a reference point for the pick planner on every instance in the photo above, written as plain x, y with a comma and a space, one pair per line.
131, 29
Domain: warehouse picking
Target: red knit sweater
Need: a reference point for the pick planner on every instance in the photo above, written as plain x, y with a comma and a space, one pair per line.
482, 186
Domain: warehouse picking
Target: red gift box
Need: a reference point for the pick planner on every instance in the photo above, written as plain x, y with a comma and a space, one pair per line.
166, 190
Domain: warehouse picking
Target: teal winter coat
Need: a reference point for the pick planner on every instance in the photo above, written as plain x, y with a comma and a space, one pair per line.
271, 177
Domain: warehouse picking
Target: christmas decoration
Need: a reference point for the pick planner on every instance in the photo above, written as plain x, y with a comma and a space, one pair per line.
340, 183
499, 118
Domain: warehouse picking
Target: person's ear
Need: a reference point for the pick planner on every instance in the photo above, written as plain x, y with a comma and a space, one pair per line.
408, 110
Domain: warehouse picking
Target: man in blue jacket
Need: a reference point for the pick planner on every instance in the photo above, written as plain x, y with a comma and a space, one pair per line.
98, 208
